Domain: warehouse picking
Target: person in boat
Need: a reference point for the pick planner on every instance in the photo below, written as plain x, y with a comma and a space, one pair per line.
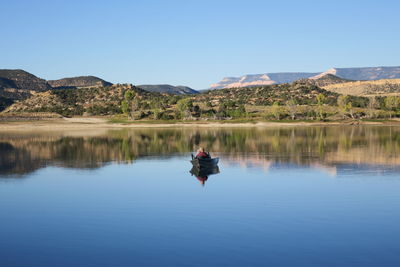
202, 154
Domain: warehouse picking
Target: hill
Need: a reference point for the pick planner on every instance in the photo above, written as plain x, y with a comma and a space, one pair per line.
303, 92
93, 100
79, 82
7, 83
366, 88
18, 85
169, 89
327, 79
20, 79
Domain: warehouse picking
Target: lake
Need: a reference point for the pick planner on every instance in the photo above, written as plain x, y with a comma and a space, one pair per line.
291, 196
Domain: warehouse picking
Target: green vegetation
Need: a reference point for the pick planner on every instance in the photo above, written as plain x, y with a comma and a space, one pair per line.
300, 101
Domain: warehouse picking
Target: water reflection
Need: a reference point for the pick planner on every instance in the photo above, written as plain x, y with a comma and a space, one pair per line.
202, 174
334, 149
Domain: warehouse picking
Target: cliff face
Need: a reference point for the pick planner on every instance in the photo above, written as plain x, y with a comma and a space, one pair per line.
79, 82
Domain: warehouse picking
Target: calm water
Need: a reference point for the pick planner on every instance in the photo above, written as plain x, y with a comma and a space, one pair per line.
316, 196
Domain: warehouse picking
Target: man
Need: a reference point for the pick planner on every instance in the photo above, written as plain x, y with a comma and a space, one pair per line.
201, 154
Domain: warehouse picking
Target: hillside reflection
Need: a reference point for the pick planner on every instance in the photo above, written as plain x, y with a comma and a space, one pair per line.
316, 147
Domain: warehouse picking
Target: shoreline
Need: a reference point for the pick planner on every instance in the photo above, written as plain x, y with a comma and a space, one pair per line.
100, 123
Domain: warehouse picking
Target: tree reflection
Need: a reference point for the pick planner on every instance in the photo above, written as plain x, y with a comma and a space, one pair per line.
306, 146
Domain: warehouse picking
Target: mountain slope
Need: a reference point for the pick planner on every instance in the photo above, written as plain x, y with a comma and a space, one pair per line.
18, 85
170, 89
261, 79
5, 102
21, 79
80, 81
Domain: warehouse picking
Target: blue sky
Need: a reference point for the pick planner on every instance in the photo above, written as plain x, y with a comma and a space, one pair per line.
195, 43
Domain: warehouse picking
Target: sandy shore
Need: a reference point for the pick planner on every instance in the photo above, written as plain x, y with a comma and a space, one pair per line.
101, 123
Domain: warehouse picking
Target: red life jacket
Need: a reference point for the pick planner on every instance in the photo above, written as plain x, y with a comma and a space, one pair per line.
202, 155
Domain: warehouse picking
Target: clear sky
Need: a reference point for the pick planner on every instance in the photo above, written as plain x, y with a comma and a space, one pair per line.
195, 43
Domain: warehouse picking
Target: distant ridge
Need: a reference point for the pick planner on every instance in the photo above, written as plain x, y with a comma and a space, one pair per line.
367, 73
169, 89
79, 82
261, 79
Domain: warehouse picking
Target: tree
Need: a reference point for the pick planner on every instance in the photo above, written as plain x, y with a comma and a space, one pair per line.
184, 107
125, 107
157, 114
320, 102
126, 103
342, 105
391, 104
222, 110
242, 111
129, 95
292, 108
276, 110
350, 109
372, 105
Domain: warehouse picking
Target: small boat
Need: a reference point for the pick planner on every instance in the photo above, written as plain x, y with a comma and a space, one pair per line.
204, 162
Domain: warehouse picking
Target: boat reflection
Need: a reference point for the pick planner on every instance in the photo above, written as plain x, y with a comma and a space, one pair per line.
202, 174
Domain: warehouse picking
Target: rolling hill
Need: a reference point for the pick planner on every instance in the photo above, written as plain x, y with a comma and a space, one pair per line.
327, 79
79, 82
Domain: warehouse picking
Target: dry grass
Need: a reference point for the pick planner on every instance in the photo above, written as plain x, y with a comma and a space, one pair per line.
367, 88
